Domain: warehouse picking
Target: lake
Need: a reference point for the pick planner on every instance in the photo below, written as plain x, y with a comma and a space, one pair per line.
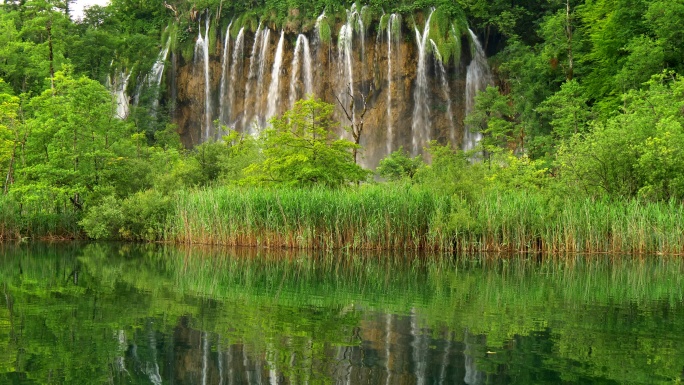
148, 314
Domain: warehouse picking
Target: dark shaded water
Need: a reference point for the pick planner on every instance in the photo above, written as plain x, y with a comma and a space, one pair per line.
122, 314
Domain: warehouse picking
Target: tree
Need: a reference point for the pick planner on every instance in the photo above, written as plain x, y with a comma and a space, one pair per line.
356, 121
558, 32
75, 148
492, 115
636, 153
300, 148
399, 165
568, 110
10, 137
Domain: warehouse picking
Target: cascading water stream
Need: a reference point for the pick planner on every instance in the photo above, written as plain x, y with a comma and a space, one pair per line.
119, 86
420, 127
224, 75
265, 41
253, 66
393, 28
205, 358
202, 47
235, 69
273, 94
446, 90
345, 55
478, 77
301, 49
420, 348
158, 67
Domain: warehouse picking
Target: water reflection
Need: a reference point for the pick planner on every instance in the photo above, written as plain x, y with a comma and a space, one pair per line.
410, 356
121, 314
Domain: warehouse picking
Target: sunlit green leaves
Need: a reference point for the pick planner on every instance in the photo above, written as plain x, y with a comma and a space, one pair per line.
300, 148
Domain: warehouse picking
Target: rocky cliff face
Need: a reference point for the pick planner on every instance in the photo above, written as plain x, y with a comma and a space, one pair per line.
385, 67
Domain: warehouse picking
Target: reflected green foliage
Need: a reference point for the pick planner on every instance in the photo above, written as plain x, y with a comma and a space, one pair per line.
88, 313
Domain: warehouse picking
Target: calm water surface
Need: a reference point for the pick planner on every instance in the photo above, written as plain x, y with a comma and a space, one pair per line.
122, 314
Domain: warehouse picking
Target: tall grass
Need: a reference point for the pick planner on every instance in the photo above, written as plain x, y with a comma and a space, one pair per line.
394, 217
38, 221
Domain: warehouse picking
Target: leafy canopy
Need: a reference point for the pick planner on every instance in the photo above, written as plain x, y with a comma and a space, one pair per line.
301, 148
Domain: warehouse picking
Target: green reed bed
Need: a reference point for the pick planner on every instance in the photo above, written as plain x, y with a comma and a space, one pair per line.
417, 218
365, 218
36, 221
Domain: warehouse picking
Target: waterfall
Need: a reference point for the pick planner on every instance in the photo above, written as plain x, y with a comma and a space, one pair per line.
202, 47
472, 375
224, 75
445, 359
345, 52
119, 89
393, 21
273, 94
478, 77
420, 128
420, 348
253, 64
219, 360
235, 70
152, 371
205, 358
308, 69
361, 30
301, 45
446, 90
158, 67
259, 107
156, 75
388, 351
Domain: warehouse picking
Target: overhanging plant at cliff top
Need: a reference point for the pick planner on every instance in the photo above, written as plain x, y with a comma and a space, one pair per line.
448, 23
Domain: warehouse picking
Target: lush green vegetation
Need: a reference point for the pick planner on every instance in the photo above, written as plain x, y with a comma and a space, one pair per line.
418, 218
582, 147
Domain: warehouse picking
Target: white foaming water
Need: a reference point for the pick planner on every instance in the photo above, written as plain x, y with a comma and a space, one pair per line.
420, 127
393, 23
301, 47
345, 40
235, 69
273, 94
446, 90
260, 108
253, 66
224, 74
118, 87
478, 77
202, 48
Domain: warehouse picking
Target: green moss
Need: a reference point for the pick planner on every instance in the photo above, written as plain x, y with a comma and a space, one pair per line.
384, 22
187, 49
212, 38
367, 17
324, 31
396, 31
445, 31
249, 21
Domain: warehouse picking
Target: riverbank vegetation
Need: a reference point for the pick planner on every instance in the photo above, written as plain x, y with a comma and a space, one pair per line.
581, 150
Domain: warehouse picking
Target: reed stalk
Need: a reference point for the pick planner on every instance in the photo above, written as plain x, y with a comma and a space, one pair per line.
399, 217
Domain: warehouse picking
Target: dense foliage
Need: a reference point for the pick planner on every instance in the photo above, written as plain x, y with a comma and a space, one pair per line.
587, 104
